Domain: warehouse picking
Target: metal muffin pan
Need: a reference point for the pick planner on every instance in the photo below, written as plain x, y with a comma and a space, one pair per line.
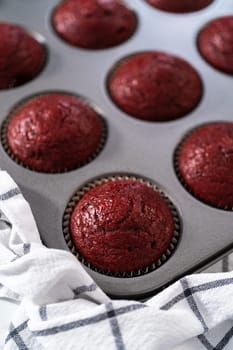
133, 146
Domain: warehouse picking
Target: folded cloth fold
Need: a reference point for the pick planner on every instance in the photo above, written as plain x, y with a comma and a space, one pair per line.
63, 308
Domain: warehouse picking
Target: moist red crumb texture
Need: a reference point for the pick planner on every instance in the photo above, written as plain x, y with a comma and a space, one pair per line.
205, 163
180, 6
22, 57
155, 86
122, 226
215, 43
54, 132
94, 24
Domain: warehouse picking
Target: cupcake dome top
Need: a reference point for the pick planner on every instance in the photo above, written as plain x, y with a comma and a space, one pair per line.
122, 225
94, 24
155, 86
215, 43
205, 163
180, 6
22, 57
54, 133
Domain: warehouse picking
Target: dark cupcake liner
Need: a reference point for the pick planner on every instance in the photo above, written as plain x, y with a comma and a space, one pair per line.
20, 104
177, 169
90, 185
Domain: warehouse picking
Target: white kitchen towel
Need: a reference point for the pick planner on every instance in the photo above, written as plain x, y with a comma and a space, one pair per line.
62, 308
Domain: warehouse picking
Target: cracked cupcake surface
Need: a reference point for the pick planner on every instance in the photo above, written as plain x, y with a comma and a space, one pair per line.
215, 43
94, 24
180, 6
22, 57
155, 86
205, 163
54, 133
122, 226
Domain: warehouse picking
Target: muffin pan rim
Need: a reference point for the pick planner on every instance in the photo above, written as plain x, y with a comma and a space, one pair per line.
38, 195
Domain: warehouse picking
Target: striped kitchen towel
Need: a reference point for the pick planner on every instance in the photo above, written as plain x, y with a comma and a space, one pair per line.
62, 307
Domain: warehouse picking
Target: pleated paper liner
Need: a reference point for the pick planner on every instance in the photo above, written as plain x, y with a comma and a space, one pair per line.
177, 170
96, 182
20, 104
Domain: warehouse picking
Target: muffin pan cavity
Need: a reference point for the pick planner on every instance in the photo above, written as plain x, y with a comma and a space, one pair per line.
203, 162
155, 86
53, 132
135, 226
94, 24
23, 55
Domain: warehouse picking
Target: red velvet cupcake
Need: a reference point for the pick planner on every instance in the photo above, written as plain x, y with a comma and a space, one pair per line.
122, 225
22, 57
215, 43
180, 6
94, 24
155, 86
55, 132
205, 164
